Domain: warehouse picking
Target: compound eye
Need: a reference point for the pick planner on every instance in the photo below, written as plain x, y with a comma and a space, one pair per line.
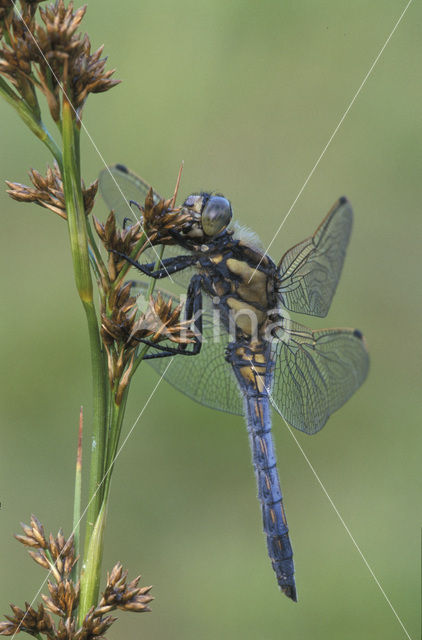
216, 215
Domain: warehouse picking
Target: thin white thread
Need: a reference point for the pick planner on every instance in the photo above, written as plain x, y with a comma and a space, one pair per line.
87, 133
98, 488
269, 246
345, 526
334, 507
333, 134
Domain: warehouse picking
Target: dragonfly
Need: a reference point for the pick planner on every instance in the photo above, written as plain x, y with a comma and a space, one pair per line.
250, 355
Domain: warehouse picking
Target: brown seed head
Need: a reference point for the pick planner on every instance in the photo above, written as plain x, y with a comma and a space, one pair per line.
160, 218
48, 192
119, 594
64, 597
114, 238
52, 56
66, 630
17, 53
68, 53
34, 534
30, 621
161, 321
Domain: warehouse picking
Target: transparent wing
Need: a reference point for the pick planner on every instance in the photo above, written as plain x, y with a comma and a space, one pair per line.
118, 186
311, 269
181, 278
206, 377
316, 372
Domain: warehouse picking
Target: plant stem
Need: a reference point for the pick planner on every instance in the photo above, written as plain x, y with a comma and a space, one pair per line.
79, 245
100, 266
78, 495
116, 422
90, 584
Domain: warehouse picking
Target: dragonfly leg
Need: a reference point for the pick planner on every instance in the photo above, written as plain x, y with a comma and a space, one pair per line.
193, 312
170, 351
170, 265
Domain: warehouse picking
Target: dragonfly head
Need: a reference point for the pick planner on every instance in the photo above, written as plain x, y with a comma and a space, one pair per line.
214, 213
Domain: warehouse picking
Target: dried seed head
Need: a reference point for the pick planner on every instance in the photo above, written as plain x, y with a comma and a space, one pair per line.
118, 323
64, 598
30, 621
161, 321
51, 56
16, 55
124, 325
122, 329
66, 630
119, 594
34, 534
157, 221
68, 55
160, 219
93, 626
48, 192
114, 238
63, 554
62, 551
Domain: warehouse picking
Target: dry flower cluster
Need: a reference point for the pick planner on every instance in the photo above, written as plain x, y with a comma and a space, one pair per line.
123, 326
43, 53
52, 56
48, 192
57, 555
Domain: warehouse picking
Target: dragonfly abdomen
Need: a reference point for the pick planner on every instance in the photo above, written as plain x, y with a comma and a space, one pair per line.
269, 492
253, 373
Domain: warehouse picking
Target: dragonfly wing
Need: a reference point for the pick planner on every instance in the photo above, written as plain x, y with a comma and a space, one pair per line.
316, 372
311, 269
207, 377
118, 186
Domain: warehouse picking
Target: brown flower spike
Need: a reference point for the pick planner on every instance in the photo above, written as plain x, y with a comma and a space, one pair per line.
119, 594
58, 556
159, 219
123, 324
52, 56
48, 192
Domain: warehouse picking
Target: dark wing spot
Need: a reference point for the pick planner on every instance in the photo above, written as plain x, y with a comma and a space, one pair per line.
121, 167
358, 334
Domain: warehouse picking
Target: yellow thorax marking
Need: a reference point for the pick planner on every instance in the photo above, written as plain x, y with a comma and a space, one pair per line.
247, 317
256, 289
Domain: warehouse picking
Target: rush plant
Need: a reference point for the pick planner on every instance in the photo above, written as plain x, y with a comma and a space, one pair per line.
46, 65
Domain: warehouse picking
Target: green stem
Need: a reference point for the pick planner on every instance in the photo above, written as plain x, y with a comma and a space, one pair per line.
79, 245
116, 423
100, 266
90, 584
99, 421
77, 497
30, 119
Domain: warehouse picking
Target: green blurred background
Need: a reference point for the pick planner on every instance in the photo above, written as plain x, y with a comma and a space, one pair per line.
247, 94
